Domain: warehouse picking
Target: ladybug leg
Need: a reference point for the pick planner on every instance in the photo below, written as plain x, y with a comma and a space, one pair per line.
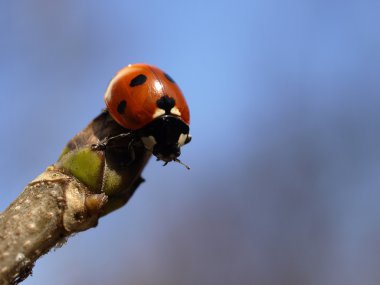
102, 145
131, 150
117, 144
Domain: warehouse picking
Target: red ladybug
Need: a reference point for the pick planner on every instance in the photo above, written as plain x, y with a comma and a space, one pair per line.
145, 100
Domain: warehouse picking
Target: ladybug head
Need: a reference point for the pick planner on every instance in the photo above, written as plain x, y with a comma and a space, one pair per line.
165, 136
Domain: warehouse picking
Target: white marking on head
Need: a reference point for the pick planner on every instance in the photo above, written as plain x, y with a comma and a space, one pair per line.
159, 112
149, 142
175, 111
182, 139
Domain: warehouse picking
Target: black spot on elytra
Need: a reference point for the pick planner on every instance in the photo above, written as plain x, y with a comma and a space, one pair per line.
138, 80
121, 107
166, 103
168, 77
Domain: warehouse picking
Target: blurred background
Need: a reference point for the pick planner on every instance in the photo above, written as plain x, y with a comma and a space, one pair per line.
284, 185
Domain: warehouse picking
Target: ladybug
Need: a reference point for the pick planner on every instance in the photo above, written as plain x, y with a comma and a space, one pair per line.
149, 104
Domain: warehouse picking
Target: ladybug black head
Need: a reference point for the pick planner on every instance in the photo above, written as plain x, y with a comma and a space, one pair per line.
165, 136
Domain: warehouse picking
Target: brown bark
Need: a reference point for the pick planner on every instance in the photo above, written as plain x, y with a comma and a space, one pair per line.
51, 208
56, 204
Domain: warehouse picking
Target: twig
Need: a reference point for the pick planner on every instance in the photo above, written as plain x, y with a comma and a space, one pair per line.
68, 197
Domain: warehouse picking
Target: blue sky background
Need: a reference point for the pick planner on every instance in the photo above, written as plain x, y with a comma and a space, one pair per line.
284, 97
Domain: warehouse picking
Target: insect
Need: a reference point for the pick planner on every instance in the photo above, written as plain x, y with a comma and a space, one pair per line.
149, 104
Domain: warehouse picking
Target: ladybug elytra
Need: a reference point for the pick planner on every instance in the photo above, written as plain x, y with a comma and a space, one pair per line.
149, 104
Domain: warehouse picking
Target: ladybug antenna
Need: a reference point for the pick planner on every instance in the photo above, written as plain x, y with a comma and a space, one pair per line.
180, 162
